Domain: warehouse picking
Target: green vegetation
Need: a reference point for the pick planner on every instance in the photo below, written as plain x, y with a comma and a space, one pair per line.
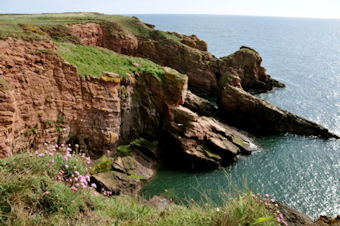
38, 26
59, 122
139, 143
124, 150
33, 192
93, 61
32, 131
104, 165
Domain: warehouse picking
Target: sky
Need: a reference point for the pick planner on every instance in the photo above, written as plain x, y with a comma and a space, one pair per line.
281, 8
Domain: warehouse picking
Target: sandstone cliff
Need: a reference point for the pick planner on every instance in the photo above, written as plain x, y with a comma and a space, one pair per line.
47, 101
43, 98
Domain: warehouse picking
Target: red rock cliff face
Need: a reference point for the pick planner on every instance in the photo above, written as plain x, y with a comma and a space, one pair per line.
107, 35
43, 99
48, 102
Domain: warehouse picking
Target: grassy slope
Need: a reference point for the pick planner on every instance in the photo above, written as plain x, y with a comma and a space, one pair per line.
30, 194
32, 26
93, 61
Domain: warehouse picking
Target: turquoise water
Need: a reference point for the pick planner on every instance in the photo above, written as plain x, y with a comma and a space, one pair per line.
303, 172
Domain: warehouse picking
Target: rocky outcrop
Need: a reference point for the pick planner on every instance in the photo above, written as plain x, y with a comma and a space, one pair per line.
203, 142
244, 110
126, 172
296, 218
192, 41
246, 62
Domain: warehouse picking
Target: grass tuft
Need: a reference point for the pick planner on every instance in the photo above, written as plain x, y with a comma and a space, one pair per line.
4, 85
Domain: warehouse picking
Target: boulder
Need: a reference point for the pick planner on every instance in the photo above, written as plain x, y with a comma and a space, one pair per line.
159, 202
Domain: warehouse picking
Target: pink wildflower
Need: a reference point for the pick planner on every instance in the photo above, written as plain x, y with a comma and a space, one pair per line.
65, 158
52, 161
31, 155
266, 195
77, 173
281, 215
73, 188
272, 200
66, 166
278, 219
93, 185
41, 155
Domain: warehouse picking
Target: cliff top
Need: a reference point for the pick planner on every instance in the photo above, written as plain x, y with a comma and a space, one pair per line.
37, 26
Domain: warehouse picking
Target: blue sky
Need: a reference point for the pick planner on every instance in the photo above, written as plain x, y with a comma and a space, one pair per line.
289, 8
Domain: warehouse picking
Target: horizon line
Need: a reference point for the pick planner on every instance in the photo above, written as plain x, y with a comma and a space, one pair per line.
221, 14
198, 14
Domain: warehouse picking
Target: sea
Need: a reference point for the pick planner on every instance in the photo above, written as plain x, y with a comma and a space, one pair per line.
300, 171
